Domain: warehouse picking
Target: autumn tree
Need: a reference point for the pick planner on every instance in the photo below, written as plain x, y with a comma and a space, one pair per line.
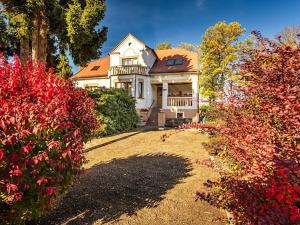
260, 132
46, 28
218, 52
163, 45
290, 36
187, 46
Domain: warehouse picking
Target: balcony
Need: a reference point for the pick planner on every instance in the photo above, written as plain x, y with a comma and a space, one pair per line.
127, 70
180, 101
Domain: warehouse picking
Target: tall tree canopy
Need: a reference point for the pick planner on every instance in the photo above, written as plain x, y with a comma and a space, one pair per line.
46, 29
290, 36
218, 52
164, 45
187, 46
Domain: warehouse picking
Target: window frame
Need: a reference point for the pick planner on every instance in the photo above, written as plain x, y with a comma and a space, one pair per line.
127, 86
134, 61
169, 60
141, 89
180, 62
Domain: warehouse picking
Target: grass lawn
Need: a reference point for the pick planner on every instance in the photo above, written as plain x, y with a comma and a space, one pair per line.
135, 178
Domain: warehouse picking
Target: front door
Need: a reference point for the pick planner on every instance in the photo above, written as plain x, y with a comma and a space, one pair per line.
159, 97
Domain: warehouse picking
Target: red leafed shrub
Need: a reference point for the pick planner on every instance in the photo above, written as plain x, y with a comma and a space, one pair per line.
261, 130
43, 124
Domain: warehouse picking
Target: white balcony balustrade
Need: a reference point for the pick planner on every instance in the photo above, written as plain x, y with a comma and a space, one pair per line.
180, 101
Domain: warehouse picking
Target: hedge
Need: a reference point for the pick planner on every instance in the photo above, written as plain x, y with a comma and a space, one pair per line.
115, 110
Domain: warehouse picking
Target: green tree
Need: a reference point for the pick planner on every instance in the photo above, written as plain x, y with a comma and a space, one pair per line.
47, 28
218, 53
290, 36
187, 46
163, 45
63, 68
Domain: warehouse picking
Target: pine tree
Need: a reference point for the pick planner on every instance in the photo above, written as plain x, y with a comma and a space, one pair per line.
46, 28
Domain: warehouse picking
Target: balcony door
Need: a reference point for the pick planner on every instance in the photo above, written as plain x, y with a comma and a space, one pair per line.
129, 61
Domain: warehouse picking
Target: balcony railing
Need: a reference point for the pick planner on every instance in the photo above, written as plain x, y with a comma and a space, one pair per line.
126, 70
180, 101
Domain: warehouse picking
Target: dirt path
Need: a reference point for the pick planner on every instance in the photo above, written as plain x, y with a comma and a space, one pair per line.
136, 179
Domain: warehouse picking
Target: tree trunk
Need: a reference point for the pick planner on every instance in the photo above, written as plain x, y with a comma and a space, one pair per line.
40, 36
43, 37
24, 50
35, 36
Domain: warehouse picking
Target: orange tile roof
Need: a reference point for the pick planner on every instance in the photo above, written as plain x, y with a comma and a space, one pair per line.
87, 71
189, 64
190, 60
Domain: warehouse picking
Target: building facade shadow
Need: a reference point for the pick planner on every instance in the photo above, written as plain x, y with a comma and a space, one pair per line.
121, 186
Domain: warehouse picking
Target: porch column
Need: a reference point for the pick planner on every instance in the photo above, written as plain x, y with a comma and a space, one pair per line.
195, 89
134, 86
165, 92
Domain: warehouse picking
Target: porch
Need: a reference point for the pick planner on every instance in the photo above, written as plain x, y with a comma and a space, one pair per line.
172, 96
175, 101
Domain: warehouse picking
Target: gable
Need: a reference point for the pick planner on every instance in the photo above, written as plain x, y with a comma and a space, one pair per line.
129, 42
131, 47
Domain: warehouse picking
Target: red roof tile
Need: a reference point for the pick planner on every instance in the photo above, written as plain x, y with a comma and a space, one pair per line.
87, 71
189, 64
189, 61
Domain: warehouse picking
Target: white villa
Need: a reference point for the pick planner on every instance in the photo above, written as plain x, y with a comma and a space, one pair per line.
163, 82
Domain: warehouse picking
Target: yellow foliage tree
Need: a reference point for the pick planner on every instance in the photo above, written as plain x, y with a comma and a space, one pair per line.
218, 53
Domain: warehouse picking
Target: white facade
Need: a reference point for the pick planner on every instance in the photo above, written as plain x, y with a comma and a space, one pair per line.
100, 82
130, 63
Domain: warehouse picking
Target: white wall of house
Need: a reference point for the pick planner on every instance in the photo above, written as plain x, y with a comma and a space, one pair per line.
146, 101
100, 82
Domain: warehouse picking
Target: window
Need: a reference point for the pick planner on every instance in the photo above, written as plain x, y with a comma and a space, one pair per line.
178, 61
179, 115
170, 62
141, 89
91, 87
125, 85
129, 61
173, 62
95, 68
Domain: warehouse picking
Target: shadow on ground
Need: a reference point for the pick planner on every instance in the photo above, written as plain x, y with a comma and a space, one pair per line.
121, 186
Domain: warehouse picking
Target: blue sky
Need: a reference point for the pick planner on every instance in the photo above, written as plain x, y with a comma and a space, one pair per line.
175, 21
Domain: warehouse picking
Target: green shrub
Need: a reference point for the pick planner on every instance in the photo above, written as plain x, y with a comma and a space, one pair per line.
210, 112
115, 110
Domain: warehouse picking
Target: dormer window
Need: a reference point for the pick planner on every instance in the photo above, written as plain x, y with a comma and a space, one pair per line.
170, 62
173, 62
95, 68
178, 61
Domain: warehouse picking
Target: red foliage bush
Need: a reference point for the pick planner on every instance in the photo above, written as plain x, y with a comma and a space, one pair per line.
261, 130
43, 124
